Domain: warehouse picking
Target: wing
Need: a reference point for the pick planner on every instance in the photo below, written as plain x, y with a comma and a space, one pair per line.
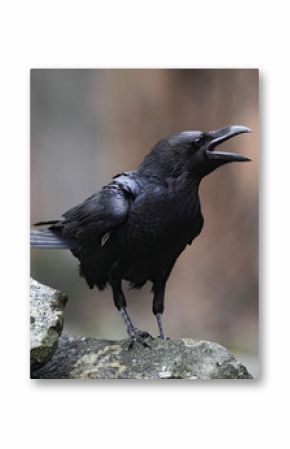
97, 216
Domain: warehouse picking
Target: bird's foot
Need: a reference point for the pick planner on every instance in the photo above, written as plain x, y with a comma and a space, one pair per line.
163, 337
143, 334
136, 335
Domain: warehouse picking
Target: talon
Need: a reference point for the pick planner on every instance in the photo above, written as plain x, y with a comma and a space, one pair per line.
143, 334
136, 335
131, 344
144, 343
139, 340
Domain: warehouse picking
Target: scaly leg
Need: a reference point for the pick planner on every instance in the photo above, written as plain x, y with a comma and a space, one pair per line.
158, 304
120, 302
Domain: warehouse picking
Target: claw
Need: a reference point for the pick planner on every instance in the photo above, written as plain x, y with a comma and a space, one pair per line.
138, 336
139, 340
143, 334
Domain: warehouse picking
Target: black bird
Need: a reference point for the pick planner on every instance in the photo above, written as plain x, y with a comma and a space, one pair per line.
136, 227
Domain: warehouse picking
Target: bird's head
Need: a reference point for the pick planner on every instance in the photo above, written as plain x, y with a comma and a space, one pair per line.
193, 152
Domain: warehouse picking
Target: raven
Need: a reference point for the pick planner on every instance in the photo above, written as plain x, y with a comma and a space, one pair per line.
135, 228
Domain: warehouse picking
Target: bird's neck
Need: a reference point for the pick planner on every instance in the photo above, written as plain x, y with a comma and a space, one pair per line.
186, 184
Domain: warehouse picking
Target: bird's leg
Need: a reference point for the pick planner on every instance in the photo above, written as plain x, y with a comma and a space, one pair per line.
158, 305
160, 326
120, 302
134, 333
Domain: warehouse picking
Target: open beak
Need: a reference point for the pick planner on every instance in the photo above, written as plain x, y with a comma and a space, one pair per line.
221, 135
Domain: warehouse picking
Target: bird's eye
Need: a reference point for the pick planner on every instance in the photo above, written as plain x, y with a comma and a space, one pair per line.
198, 139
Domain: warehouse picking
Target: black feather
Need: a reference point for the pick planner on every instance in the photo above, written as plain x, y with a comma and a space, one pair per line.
136, 227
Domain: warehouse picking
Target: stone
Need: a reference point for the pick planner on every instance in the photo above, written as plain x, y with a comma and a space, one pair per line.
46, 322
90, 358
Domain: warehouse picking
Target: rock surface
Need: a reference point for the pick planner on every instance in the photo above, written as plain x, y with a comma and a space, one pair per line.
46, 322
89, 358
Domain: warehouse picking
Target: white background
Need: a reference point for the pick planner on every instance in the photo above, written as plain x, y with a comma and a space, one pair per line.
152, 34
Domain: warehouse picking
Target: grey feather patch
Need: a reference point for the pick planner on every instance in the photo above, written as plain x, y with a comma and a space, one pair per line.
46, 239
105, 238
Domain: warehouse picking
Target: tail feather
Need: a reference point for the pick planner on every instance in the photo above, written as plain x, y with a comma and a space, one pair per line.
46, 222
47, 239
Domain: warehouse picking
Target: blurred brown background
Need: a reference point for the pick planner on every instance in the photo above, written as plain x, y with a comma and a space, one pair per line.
88, 125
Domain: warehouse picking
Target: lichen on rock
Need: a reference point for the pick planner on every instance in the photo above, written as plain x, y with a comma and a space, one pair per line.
67, 357
89, 358
46, 322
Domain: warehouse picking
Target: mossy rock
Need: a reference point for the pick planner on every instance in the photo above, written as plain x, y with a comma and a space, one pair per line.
46, 322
